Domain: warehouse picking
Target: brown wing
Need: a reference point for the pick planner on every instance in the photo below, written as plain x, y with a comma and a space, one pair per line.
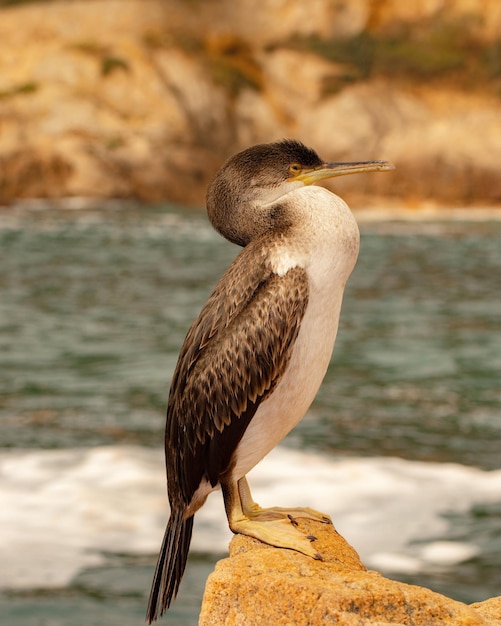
231, 360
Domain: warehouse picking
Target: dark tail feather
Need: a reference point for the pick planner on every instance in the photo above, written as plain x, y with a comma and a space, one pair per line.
170, 565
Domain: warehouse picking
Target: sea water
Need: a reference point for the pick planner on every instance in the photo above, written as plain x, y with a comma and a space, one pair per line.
401, 447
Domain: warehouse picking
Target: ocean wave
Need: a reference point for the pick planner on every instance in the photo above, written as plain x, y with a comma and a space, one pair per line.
63, 510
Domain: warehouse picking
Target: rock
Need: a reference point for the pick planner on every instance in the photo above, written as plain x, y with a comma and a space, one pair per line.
149, 100
490, 610
259, 584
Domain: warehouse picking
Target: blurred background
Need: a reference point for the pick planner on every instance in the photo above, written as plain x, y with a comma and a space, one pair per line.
114, 116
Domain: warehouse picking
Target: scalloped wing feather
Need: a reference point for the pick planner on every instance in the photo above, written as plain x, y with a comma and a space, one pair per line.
232, 358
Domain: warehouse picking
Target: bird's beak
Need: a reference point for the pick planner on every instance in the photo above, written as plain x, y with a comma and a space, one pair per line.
329, 170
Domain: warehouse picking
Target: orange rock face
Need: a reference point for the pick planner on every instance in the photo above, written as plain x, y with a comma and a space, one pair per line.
148, 101
260, 585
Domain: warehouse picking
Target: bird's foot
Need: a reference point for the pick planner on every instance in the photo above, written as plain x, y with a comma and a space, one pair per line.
278, 532
257, 513
276, 526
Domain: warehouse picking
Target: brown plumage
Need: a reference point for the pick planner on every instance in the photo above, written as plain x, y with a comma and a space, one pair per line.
241, 356
206, 420
249, 362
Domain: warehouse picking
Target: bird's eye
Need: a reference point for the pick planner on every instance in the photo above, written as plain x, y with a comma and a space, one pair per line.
295, 168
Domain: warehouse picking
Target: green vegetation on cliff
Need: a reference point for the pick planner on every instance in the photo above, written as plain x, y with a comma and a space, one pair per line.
444, 50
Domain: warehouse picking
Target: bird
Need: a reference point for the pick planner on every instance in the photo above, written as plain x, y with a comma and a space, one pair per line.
254, 358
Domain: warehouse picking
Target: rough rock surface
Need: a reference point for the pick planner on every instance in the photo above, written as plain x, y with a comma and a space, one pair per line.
259, 584
142, 99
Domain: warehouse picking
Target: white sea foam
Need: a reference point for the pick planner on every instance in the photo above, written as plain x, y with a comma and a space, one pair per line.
61, 510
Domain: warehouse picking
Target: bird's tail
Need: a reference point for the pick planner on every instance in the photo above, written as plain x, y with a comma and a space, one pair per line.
170, 565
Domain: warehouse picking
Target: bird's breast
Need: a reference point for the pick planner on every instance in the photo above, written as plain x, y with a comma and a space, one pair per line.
328, 255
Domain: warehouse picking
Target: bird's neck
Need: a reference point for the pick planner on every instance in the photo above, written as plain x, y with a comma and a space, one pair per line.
322, 237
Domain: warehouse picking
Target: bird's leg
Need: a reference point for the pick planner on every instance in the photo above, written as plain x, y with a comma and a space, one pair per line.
253, 511
279, 531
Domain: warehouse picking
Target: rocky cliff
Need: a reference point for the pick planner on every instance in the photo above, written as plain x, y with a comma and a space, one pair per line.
146, 99
259, 585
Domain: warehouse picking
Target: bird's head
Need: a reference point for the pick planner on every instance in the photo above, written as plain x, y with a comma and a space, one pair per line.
243, 199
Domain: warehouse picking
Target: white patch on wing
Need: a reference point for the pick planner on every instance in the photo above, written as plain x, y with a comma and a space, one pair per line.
283, 262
